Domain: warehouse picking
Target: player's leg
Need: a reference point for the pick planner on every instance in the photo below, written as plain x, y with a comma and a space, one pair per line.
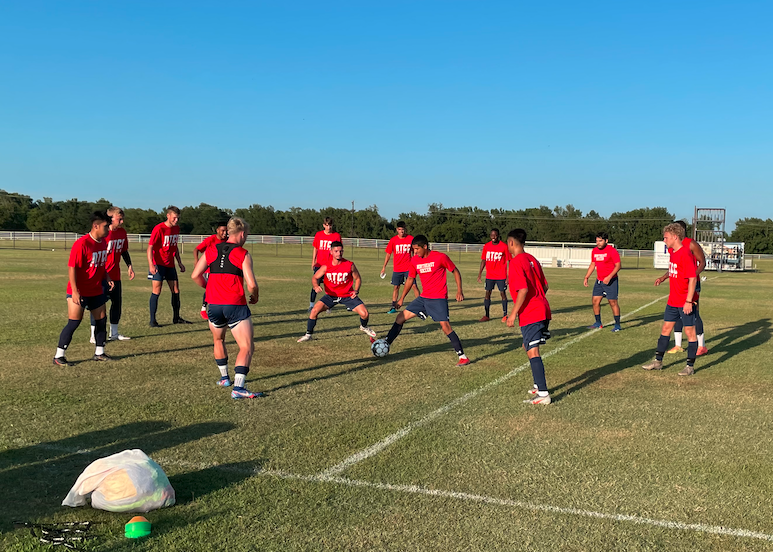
74, 317
611, 292
395, 295
402, 318
174, 287
670, 318
702, 350
221, 353
203, 311
456, 343
316, 310
487, 300
243, 334
502, 285
116, 310
100, 322
106, 291
692, 342
313, 294
156, 283
677, 348
362, 311
598, 293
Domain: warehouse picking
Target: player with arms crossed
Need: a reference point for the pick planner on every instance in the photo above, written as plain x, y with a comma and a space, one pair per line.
230, 266
494, 259
162, 252
528, 287
682, 299
320, 254
342, 286
220, 236
86, 271
606, 261
431, 267
117, 248
400, 246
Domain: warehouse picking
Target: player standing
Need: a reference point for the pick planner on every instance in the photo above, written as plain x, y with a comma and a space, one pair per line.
220, 236
321, 252
494, 259
400, 246
431, 267
528, 287
84, 290
162, 252
606, 260
342, 286
682, 299
230, 265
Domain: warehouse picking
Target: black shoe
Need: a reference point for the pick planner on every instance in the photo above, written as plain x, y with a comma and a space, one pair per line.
181, 321
61, 361
155, 324
103, 356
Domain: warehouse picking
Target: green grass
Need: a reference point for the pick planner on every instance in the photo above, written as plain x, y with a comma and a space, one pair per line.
617, 440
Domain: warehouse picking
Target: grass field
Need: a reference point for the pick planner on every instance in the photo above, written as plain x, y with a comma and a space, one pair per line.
348, 452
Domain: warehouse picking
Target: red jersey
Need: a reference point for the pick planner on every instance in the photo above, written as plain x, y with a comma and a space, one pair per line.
526, 273
225, 285
432, 274
322, 242
496, 256
681, 268
605, 260
401, 249
117, 243
206, 242
88, 257
164, 241
339, 280
686, 243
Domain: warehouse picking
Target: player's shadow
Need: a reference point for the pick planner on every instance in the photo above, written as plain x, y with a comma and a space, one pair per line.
572, 308
735, 340
36, 478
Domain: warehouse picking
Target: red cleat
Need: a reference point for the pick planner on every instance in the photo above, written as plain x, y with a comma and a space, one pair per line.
204, 315
701, 351
504, 319
463, 361
484, 319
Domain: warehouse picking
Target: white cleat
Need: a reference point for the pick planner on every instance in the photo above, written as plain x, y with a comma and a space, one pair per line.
304, 338
119, 337
538, 400
368, 332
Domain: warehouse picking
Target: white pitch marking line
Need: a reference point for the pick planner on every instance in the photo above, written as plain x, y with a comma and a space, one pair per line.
402, 432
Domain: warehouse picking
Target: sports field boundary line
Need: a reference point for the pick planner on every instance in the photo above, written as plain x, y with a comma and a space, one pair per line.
389, 440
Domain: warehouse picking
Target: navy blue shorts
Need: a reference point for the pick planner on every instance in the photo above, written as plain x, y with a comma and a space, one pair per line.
600, 289
92, 303
673, 314
399, 278
436, 308
348, 302
221, 316
535, 334
168, 273
501, 285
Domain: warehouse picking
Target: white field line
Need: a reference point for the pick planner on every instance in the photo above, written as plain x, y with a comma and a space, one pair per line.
376, 448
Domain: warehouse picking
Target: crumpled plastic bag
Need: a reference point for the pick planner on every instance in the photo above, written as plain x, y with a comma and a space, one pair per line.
128, 481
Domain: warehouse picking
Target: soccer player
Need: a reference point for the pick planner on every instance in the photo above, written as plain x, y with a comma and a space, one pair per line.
220, 236
494, 259
606, 261
84, 289
117, 248
400, 246
431, 267
528, 287
321, 253
700, 262
342, 286
162, 252
682, 299
230, 265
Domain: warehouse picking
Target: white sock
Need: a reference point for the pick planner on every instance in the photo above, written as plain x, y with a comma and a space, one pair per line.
462, 356
93, 329
113, 329
701, 340
678, 339
223, 370
99, 351
239, 380
543, 393
535, 386
59, 353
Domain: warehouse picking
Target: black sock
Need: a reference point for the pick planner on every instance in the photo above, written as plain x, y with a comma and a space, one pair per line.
364, 321
538, 373
692, 352
204, 299
313, 296
310, 326
456, 343
153, 306
487, 305
394, 304
617, 320
100, 332
504, 307
66, 336
598, 318
394, 331
176, 305
663, 341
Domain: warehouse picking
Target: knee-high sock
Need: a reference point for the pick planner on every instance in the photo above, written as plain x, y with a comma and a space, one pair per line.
241, 374
663, 341
364, 321
538, 373
176, 305
487, 305
310, 326
394, 331
456, 343
153, 306
692, 352
66, 336
504, 307
116, 303
100, 332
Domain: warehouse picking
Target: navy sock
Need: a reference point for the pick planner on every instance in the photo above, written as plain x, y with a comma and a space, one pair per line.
663, 341
312, 296
100, 332
394, 331
310, 326
364, 322
66, 336
538, 373
617, 320
692, 352
487, 305
598, 318
153, 306
176, 305
698, 322
504, 307
204, 298
456, 343
394, 304
240, 373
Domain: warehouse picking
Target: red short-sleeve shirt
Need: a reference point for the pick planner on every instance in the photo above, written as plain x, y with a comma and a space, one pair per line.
88, 257
526, 273
496, 257
401, 249
432, 274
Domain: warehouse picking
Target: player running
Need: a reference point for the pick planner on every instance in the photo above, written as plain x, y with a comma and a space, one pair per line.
84, 290
230, 265
494, 259
321, 253
400, 246
431, 267
606, 261
528, 287
682, 299
220, 236
342, 286
162, 252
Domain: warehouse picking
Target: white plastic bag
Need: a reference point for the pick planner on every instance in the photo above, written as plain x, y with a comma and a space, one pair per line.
128, 481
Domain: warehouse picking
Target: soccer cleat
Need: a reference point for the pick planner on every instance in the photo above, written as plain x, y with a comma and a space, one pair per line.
463, 361
224, 382
119, 337
102, 357
422, 315
392, 311
154, 324
538, 400
370, 333
674, 350
687, 371
596, 326
617, 328
181, 321
61, 361
701, 351
203, 313
304, 338
504, 319
533, 391
484, 319
654, 365
244, 393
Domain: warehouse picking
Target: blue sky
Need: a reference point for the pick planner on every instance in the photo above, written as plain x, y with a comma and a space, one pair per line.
605, 105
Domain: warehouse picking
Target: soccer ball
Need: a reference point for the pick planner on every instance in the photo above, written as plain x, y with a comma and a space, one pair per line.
380, 348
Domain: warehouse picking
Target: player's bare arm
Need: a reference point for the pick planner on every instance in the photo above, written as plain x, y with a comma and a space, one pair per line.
151, 265
110, 282
313, 257
317, 278
688, 304
386, 260
520, 297
73, 275
179, 260
612, 274
661, 279
198, 272
406, 288
480, 271
699, 255
249, 279
591, 268
357, 281
458, 278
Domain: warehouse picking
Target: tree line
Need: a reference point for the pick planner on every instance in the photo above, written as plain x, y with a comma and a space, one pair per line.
635, 229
